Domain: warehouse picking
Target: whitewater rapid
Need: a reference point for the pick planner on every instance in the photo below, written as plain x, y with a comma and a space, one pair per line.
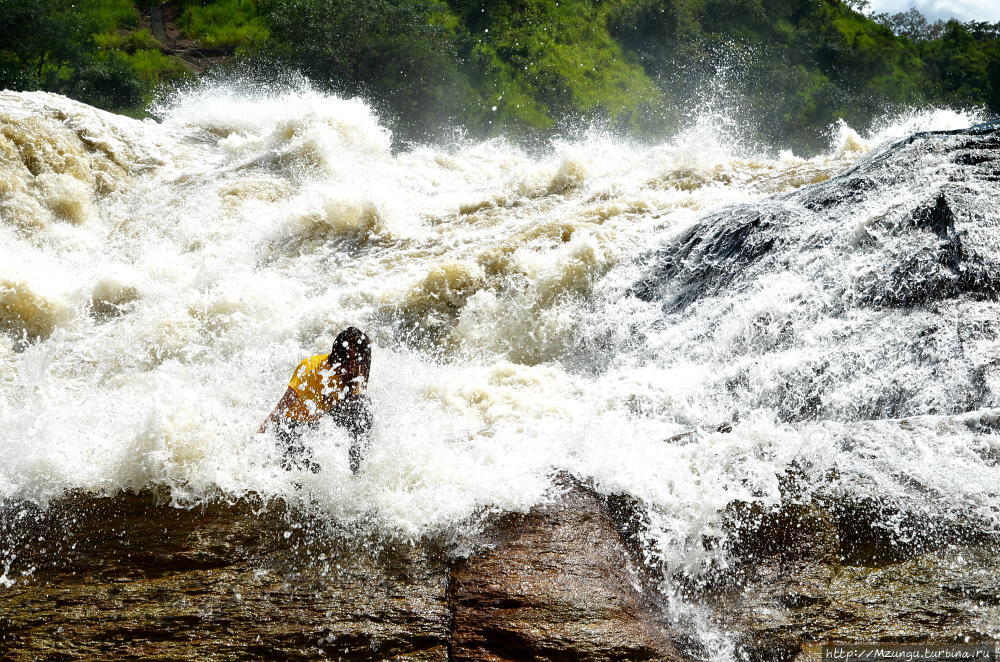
160, 279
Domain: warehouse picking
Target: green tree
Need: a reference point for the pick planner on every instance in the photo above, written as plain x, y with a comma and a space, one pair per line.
912, 25
109, 81
401, 55
960, 65
37, 37
788, 68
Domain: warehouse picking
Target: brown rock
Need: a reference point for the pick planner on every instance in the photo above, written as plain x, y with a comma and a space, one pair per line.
125, 578
555, 586
810, 574
130, 578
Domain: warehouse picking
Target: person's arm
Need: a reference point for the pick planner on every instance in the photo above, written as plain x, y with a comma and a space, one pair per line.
287, 400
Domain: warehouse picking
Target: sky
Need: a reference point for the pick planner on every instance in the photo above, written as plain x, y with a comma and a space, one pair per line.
963, 10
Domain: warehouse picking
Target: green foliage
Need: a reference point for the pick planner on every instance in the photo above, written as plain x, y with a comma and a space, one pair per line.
82, 48
401, 54
789, 68
962, 68
912, 25
37, 37
792, 67
541, 61
129, 42
108, 15
225, 24
518, 66
108, 81
153, 67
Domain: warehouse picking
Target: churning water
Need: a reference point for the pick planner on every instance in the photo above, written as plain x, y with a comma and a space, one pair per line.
532, 314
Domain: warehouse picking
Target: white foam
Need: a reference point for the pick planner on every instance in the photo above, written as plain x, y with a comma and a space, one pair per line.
176, 305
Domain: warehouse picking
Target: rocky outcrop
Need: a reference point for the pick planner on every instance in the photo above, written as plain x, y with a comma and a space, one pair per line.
554, 586
887, 259
805, 575
128, 578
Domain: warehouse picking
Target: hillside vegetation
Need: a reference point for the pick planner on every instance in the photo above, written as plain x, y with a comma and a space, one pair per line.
92, 50
787, 69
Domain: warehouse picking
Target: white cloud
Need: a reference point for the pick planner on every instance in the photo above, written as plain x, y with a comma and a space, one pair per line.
963, 10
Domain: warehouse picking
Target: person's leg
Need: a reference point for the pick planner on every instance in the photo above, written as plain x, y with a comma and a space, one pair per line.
354, 455
295, 454
355, 415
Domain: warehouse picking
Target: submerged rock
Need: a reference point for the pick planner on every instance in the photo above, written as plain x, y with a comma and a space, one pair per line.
927, 239
862, 297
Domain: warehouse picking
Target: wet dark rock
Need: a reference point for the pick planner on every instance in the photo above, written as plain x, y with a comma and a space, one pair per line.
127, 578
938, 218
939, 270
555, 586
707, 258
888, 269
851, 190
130, 578
807, 574
728, 250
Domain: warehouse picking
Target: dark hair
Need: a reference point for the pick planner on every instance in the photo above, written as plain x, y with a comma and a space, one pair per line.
353, 340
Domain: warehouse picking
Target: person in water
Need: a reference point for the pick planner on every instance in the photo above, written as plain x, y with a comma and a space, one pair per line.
333, 384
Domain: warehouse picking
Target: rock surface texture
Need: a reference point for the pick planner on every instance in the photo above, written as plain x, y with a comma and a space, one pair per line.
129, 578
807, 575
126, 578
554, 586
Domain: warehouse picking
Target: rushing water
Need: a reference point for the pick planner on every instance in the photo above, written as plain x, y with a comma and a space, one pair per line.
532, 314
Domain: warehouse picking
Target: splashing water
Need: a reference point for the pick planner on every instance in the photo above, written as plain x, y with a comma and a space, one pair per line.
160, 280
